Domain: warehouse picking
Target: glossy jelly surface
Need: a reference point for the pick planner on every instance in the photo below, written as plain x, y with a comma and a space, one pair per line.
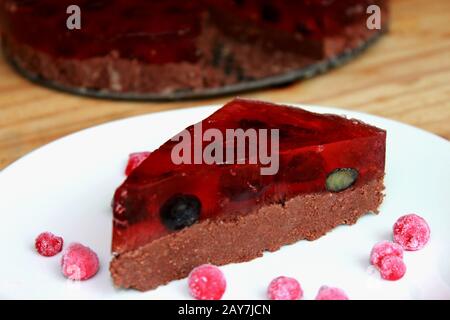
311, 147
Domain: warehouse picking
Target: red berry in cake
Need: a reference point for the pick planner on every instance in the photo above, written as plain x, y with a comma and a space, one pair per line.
330, 293
383, 249
79, 262
134, 160
284, 288
48, 245
207, 282
411, 232
392, 268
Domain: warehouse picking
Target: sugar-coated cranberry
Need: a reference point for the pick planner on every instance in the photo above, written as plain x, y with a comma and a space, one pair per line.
134, 160
79, 262
330, 293
392, 268
383, 249
48, 245
411, 232
284, 288
207, 282
180, 211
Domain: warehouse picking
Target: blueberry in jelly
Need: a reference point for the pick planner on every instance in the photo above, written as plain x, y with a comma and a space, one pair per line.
180, 211
270, 13
341, 179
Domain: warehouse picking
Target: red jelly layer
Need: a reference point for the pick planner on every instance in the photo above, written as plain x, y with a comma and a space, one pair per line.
312, 18
152, 31
159, 32
311, 146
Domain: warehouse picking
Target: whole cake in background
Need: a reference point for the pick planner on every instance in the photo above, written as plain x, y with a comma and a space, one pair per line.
179, 48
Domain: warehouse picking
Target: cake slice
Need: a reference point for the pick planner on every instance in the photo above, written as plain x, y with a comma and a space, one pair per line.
170, 218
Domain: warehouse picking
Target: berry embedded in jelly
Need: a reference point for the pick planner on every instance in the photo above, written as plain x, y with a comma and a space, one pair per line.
180, 211
318, 154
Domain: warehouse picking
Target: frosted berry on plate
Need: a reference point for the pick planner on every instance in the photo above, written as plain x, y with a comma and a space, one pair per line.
383, 249
330, 293
207, 282
79, 262
48, 245
411, 232
134, 160
284, 288
392, 268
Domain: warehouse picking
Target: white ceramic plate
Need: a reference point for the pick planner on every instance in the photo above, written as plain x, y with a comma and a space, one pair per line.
66, 187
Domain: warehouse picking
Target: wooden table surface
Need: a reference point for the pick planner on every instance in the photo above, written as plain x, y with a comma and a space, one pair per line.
405, 76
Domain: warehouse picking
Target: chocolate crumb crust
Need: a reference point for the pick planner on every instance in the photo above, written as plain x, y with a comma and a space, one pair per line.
243, 238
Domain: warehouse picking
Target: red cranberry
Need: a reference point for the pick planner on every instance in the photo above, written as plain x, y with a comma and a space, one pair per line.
207, 282
79, 262
48, 245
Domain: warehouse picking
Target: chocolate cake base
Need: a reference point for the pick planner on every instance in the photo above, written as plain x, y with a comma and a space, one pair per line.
243, 238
